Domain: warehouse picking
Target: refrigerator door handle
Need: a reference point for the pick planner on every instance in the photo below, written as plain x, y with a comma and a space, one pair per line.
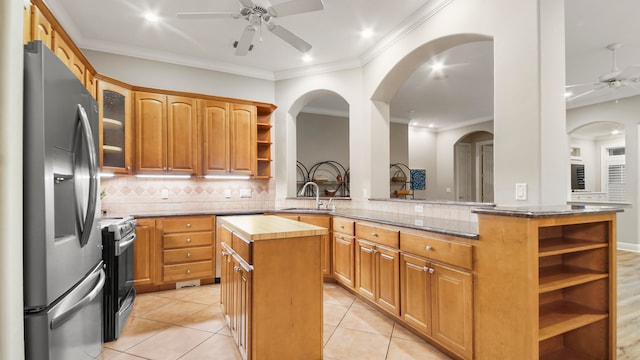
60, 319
89, 219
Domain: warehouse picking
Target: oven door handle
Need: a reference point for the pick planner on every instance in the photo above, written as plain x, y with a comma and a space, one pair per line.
125, 243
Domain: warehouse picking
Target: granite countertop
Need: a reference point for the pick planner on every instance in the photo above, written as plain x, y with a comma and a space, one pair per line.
465, 229
546, 211
261, 227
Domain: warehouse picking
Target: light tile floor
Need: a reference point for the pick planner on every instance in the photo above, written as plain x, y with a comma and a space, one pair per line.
187, 324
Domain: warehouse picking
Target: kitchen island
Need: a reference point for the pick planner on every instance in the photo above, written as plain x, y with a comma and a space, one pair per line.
271, 286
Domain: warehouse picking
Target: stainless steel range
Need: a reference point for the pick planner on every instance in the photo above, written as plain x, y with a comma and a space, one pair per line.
118, 238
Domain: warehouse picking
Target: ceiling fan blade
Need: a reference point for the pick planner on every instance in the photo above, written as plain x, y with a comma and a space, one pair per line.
247, 3
207, 15
578, 85
245, 40
629, 72
289, 37
295, 7
581, 95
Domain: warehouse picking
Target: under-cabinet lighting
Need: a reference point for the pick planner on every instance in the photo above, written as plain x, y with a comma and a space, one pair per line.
107, 174
227, 177
162, 176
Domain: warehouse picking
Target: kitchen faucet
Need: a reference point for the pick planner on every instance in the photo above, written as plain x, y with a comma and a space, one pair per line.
331, 206
318, 202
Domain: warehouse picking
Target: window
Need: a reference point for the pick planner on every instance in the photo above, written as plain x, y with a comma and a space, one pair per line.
616, 174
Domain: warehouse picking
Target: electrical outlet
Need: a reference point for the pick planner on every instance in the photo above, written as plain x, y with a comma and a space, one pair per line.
245, 193
164, 193
418, 222
521, 191
418, 209
227, 193
448, 189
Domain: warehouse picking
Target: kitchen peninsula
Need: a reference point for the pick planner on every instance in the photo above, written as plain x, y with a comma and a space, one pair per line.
271, 286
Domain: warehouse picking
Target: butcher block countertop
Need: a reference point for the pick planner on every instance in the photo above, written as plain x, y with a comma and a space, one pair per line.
265, 227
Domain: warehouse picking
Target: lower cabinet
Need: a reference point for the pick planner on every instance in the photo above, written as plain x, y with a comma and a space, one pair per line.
144, 250
437, 301
235, 297
377, 274
325, 222
343, 247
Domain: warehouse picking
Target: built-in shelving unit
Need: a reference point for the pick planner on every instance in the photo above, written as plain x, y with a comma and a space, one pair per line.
263, 143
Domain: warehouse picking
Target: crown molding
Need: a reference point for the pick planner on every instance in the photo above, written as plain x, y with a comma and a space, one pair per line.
323, 111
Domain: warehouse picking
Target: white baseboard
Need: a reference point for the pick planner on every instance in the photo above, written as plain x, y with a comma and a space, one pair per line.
628, 247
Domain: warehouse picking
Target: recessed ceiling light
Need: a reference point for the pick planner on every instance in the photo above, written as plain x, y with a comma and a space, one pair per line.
437, 66
307, 58
567, 94
151, 17
432, 125
366, 33
615, 132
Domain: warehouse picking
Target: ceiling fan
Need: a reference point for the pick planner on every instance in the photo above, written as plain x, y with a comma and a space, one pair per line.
258, 15
629, 76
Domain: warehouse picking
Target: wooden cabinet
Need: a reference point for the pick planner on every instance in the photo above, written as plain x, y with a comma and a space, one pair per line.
116, 125
41, 28
343, 249
325, 222
187, 248
26, 23
228, 137
166, 133
378, 266
144, 252
437, 301
552, 295
64, 52
264, 143
271, 288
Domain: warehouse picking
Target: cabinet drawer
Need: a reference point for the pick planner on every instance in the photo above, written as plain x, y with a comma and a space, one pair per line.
187, 240
439, 250
377, 235
243, 248
184, 224
176, 256
196, 270
322, 221
345, 226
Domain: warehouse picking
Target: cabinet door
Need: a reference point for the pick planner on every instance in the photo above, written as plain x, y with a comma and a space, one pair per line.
41, 27
226, 283
214, 136
242, 307
62, 50
182, 135
242, 139
366, 269
388, 279
26, 24
151, 119
343, 259
452, 309
415, 285
116, 148
143, 250
325, 222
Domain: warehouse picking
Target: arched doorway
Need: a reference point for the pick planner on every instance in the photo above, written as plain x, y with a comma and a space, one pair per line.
473, 158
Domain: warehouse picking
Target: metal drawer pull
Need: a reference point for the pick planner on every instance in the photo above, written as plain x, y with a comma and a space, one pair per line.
236, 268
425, 269
374, 234
188, 254
188, 225
375, 251
188, 271
188, 240
431, 270
223, 253
428, 248
341, 226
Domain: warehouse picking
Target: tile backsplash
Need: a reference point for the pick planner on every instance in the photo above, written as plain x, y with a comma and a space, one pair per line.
131, 195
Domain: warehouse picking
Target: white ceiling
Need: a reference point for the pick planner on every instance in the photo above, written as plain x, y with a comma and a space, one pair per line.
462, 95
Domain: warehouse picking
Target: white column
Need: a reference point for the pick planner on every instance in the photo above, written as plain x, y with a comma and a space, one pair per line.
11, 64
379, 160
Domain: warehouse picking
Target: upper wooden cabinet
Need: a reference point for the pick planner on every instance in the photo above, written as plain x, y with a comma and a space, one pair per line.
116, 139
228, 137
41, 28
166, 133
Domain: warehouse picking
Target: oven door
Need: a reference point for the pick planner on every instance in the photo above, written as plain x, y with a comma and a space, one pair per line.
124, 259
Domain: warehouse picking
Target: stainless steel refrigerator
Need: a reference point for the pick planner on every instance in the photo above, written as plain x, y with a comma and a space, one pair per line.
63, 269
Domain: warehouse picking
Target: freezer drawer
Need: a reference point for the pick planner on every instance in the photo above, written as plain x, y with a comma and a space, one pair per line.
72, 327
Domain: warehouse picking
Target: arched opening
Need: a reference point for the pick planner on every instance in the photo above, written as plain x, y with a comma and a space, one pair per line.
473, 158
322, 144
598, 162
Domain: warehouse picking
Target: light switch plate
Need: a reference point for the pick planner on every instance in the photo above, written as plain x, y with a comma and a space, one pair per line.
227, 193
418, 209
521, 191
164, 193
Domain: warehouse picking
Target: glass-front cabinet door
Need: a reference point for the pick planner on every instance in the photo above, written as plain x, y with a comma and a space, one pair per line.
115, 128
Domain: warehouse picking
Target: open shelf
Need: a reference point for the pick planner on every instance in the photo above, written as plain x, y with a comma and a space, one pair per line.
558, 246
111, 148
563, 276
565, 354
563, 316
108, 123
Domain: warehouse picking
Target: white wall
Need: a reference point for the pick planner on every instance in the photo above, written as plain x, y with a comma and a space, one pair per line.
11, 64
625, 111
161, 75
423, 151
322, 138
590, 158
399, 143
